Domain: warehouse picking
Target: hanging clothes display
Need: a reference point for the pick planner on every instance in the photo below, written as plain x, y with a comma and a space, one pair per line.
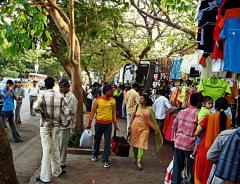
175, 73
164, 68
219, 33
206, 18
226, 35
189, 62
214, 87
231, 35
217, 65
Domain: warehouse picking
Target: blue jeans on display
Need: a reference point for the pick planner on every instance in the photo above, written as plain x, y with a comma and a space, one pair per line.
10, 116
101, 129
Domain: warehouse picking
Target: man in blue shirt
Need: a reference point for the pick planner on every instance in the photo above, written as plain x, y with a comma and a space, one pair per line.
8, 97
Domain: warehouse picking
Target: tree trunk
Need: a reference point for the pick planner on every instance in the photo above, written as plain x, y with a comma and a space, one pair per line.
78, 92
7, 170
68, 33
89, 77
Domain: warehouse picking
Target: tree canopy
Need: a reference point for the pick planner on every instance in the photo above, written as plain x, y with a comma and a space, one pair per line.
108, 31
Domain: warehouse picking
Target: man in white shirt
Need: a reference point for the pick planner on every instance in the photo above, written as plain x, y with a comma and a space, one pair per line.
160, 107
33, 95
67, 119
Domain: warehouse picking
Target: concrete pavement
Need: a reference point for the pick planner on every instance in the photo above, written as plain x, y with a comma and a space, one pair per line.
81, 170
26, 155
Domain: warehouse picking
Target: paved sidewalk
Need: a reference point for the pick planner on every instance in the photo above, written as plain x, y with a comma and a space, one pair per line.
80, 169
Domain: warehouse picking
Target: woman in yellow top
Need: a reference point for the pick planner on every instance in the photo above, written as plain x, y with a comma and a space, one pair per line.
140, 127
105, 110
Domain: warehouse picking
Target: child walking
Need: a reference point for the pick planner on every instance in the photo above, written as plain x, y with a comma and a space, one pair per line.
205, 110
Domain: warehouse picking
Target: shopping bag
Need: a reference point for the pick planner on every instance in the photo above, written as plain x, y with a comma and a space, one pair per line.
169, 175
120, 146
86, 140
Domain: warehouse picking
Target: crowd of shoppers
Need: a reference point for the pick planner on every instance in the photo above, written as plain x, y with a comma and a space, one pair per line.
204, 146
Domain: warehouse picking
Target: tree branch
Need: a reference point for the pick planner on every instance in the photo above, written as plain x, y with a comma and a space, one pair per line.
183, 50
165, 21
50, 4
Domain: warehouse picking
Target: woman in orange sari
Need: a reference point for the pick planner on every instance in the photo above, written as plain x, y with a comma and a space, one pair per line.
212, 125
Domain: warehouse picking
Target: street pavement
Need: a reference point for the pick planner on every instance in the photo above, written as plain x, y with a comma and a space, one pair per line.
26, 155
80, 169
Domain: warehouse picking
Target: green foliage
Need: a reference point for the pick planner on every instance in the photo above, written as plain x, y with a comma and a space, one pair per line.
23, 64
25, 28
74, 139
22, 26
185, 9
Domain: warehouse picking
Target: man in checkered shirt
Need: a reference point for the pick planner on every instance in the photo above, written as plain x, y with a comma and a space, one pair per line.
51, 105
184, 127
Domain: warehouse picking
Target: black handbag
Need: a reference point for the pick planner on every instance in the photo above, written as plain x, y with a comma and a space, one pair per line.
120, 146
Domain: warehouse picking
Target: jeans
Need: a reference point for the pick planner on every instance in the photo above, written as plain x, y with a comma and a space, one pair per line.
51, 154
123, 110
180, 157
101, 129
64, 135
32, 100
10, 116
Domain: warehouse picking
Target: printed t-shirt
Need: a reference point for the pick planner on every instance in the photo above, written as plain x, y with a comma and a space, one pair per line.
214, 88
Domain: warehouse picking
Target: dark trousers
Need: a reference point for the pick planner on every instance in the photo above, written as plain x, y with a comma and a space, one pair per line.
89, 105
10, 116
17, 112
180, 158
32, 100
101, 129
161, 124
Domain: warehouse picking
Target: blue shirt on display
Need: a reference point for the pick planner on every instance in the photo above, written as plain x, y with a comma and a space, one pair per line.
231, 34
8, 101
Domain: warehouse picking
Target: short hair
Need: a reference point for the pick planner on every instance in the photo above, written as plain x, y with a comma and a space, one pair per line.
221, 103
64, 82
106, 88
10, 82
147, 99
49, 82
135, 86
207, 99
160, 91
195, 99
